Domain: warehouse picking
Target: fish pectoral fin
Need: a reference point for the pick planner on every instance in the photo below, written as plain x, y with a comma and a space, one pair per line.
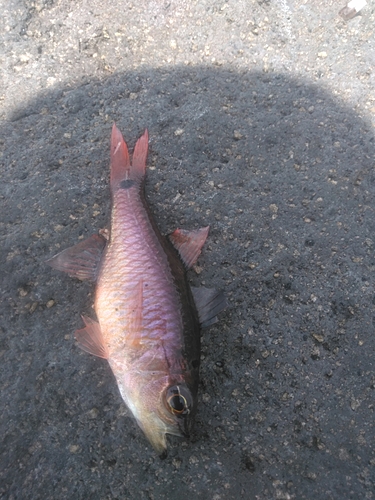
209, 303
90, 339
189, 243
82, 260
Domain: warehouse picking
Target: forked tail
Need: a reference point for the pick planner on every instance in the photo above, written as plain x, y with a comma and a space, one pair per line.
124, 172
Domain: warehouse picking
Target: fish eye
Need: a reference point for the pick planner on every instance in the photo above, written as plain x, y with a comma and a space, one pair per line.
177, 404
179, 400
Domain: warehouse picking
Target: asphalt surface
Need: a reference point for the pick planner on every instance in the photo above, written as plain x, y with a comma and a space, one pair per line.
261, 118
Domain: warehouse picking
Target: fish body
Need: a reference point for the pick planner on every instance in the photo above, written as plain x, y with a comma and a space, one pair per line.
149, 318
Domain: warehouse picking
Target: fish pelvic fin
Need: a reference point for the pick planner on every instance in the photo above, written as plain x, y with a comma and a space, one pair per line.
189, 244
91, 340
123, 172
209, 303
81, 261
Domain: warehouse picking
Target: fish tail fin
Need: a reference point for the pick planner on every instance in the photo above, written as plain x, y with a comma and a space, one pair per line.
120, 160
138, 167
121, 168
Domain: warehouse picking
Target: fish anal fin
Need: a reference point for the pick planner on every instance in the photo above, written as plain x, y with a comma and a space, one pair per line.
120, 160
209, 303
90, 339
82, 260
189, 244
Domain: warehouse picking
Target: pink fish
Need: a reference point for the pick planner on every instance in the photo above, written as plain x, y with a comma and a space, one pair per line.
148, 317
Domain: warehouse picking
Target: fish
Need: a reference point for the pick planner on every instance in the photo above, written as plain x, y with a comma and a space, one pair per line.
148, 318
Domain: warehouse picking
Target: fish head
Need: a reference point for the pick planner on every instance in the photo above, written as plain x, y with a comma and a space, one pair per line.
169, 410
161, 402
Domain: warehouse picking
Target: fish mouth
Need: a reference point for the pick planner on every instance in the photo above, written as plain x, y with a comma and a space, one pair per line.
184, 426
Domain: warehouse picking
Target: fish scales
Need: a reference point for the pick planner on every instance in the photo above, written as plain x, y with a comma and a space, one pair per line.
135, 250
149, 319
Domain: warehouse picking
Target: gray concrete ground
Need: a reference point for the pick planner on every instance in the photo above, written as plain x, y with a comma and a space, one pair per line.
261, 117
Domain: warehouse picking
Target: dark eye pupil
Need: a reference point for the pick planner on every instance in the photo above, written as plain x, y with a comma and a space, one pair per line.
179, 400
177, 403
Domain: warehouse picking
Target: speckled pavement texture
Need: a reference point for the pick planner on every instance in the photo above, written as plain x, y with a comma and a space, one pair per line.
261, 118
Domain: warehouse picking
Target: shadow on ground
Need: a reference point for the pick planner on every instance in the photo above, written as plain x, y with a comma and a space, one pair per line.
283, 173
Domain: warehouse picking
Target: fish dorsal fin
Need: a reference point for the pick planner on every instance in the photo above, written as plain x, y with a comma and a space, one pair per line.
189, 243
90, 339
120, 160
209, 303
82, 260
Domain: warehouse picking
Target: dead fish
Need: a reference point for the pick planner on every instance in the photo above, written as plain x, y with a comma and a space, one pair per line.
148, 317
